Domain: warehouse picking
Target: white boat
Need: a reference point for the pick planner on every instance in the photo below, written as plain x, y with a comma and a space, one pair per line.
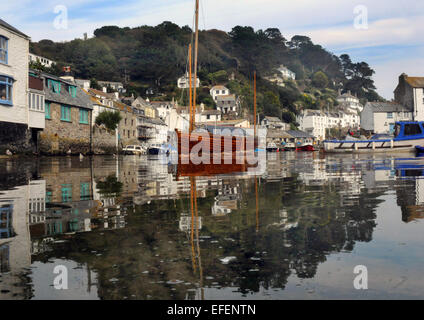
271, 147
407, 136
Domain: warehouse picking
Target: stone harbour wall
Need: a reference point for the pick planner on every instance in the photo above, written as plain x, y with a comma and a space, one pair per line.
15, 137
104, 141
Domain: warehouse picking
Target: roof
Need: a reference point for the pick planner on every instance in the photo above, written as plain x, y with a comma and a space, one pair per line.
148, 120
387, 107
275, 134
122, 106
81, 100
211, 112
219, 87
100, 93
299, 134
13, 29
223, 130
415, 82
232, 122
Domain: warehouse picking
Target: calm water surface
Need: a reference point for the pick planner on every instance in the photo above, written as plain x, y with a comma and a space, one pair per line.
124, 229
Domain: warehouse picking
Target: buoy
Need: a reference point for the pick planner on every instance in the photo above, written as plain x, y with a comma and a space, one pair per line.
9, 153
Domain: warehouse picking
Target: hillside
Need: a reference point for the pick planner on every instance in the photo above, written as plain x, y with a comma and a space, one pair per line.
154, 57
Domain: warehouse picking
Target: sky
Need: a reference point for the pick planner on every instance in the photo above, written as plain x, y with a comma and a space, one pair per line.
390, 36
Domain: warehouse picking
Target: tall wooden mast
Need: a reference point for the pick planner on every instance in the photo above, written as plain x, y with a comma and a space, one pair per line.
254, 101
196, 53
190, 89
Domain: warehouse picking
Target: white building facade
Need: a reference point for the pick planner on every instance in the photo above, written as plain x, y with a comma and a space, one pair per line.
380, 117
184, 82
317, 123
217, 91
44, 61
286, 73
349, 101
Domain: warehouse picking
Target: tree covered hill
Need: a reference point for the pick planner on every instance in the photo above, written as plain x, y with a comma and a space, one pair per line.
154, 57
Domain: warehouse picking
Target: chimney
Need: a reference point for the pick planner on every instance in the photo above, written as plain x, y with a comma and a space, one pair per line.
104, 89
340, 92
403, 77
349, 92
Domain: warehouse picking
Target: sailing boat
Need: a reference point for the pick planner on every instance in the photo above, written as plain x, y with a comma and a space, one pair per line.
211, 141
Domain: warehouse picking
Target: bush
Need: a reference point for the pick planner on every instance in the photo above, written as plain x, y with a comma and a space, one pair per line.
109, 119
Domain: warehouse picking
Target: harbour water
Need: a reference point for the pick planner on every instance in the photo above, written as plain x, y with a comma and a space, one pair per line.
123, 228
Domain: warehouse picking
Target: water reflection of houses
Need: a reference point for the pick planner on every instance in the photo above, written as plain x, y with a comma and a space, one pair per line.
74, 202
227, 200
15, 243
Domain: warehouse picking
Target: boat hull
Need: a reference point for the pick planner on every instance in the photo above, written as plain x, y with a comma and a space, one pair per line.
307, 148
372, 146
213, 143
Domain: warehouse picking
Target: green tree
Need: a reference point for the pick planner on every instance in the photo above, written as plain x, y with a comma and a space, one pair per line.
110, 119
320, 80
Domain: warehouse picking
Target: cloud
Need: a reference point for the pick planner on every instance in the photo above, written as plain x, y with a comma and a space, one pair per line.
393, 27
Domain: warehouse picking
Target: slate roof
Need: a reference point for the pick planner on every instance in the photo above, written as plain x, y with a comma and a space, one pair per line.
211, 112
278, 134
219, 87
387, 107
11, 28
82, 100
299, 134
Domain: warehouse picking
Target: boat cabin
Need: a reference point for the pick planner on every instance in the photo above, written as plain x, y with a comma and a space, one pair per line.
409, 130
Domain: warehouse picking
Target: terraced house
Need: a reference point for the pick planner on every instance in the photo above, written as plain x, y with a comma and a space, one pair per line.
14, 113
68, 113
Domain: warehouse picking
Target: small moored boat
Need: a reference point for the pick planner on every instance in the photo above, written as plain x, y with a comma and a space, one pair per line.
157, 149
408, 134
272, 147
307, 147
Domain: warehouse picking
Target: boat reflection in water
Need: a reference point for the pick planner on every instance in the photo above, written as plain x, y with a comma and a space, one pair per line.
138, 228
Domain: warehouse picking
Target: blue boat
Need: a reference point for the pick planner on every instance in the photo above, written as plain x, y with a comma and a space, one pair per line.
407, 135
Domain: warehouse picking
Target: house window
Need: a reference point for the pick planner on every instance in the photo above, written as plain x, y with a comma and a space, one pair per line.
6, 85
48, 110
73, 91
36, 102
83, 116
54, 85
389, 115
65, 113
66, 193
85, 191
3, 49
